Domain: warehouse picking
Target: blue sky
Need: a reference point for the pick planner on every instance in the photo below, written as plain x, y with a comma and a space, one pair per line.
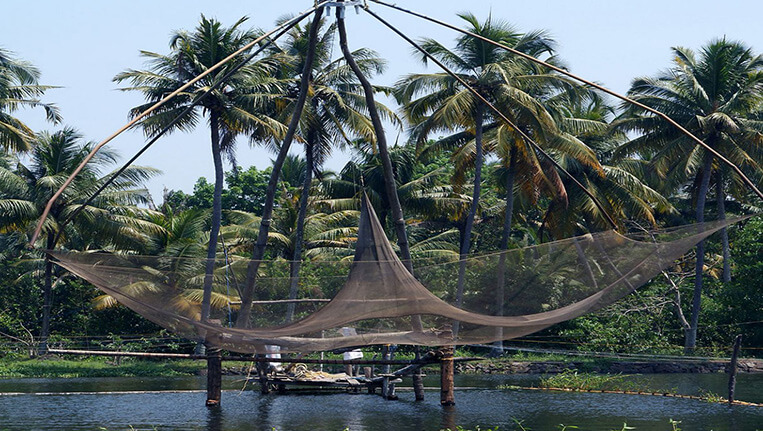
81, 45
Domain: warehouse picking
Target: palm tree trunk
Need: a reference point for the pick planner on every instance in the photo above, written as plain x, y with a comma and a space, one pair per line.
214, 231
47, 296
721, 201
243, 318
214, 364
500, 289
300, 233
691, 334
390, 184
466, 243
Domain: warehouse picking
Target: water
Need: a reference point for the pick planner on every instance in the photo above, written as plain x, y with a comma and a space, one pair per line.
483, 405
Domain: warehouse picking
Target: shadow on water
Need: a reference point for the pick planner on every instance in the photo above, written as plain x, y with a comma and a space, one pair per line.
483, 406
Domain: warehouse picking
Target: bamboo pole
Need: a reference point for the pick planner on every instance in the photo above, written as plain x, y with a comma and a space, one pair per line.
283, 301
653, 111
503, 117
154, 107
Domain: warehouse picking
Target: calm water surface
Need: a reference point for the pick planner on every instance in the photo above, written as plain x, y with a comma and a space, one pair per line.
54, 404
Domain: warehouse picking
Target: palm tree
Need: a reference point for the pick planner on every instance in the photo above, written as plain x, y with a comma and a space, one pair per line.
335, 111
425, 196
511, 84
19, 88
238, 107
713, 95
181, 237
243, 319
108, 222
616, 183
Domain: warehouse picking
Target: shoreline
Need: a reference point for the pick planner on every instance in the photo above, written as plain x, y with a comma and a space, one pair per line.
609, 367
106, 367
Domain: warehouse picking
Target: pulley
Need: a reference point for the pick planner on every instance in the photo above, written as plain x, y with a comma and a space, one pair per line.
341, 5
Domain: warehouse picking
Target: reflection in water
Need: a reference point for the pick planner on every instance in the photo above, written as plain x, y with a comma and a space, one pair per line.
214, 419
449, 418
484, 407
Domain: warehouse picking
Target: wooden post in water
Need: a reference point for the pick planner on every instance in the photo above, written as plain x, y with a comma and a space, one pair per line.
447, 396
262, 374
388, 387
418, 382
733, 368
385, 370
214, 377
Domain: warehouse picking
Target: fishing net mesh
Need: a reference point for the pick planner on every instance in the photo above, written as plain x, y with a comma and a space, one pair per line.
505, 295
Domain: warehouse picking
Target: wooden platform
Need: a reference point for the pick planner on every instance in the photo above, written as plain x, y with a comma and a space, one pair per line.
282, 383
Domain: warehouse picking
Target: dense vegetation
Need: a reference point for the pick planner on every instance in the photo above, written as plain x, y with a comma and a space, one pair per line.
467, 181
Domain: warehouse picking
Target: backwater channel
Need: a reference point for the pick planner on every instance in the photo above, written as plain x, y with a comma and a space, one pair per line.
178, 404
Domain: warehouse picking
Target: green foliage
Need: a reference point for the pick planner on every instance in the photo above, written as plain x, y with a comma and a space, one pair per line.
245, 191
19, 88
589, 381
434, 177
741, 300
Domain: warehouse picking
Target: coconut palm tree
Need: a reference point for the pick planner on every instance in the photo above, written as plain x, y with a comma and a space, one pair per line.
19, 88
240, 106
179, 240
108, 222
437, 103
616, 183
713, 94
425, 196
334, 114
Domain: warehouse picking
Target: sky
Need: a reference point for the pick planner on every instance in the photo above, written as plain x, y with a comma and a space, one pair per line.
81, 45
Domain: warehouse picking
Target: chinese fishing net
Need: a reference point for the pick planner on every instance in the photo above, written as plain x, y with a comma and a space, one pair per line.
506, 295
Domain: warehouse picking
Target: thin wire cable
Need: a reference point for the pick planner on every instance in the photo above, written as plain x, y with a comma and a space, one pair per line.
665, 117
143, 114
503, 117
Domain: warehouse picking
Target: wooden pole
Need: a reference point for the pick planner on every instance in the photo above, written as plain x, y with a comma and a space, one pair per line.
447, 396
385, 370
262, 373
733, 368
214, 377
418, 382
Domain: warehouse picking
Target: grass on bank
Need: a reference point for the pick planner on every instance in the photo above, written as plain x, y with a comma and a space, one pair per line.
97, 367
